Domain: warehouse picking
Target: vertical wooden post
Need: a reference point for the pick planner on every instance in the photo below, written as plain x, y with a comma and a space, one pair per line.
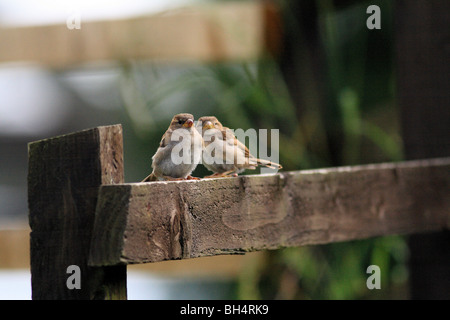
64, 177
422, 37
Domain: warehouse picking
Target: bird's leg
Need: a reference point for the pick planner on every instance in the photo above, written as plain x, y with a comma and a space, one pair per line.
214, 175
230, 173
192, 178
167, 178
225, 174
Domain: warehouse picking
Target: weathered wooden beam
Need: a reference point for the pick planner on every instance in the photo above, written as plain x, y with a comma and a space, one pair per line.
149, 222
214, 32
64, 176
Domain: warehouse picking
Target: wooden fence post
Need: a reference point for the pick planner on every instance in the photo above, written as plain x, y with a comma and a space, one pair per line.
64, 177
422, 37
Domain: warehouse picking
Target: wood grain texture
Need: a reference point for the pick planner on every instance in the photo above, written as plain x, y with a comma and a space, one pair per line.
64, 175
214, 32
149, 222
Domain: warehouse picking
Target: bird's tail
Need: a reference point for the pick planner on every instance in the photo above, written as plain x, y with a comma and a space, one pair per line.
268, 164
150, 177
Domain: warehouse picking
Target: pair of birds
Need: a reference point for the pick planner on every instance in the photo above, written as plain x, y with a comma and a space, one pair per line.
221, 152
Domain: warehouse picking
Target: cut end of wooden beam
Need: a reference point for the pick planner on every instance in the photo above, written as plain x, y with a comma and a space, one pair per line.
150, 222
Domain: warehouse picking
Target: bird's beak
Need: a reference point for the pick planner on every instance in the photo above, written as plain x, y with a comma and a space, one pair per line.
208, 125
188, 123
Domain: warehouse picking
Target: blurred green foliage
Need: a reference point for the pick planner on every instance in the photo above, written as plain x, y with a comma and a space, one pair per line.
351, 119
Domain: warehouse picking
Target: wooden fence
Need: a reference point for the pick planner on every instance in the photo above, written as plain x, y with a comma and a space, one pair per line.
82, 214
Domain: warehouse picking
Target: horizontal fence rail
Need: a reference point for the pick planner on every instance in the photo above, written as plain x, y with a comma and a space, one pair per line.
214, 32
150, 222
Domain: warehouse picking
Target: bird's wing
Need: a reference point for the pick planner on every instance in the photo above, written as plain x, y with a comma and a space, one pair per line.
165, 138
231, 139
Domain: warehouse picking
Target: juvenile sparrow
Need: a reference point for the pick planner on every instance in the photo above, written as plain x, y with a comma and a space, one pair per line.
179, 151
223, 153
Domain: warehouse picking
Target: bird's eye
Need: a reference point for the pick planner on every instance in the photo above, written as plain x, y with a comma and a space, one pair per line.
216, 124
180, 121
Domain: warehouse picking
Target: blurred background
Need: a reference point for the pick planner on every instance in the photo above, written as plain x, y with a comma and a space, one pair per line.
323, 79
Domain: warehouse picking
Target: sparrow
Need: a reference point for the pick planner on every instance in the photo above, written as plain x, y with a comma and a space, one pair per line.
221, 144
179, 151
